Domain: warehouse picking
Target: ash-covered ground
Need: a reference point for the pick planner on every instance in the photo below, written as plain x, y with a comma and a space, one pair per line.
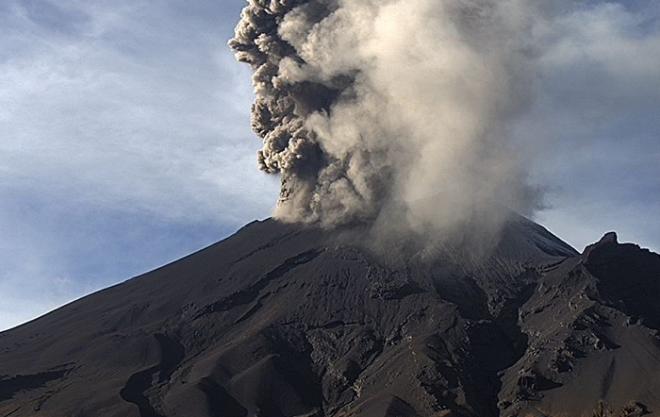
290, 320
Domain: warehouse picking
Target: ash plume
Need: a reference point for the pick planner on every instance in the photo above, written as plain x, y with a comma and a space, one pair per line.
367, 107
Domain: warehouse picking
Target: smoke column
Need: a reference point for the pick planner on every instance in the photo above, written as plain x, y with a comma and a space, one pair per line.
373, 108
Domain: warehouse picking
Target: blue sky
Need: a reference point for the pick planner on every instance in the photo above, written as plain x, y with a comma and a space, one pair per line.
125, 139
124, 143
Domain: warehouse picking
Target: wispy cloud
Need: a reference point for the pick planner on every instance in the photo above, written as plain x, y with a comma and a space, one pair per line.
595, 124
93, 117
128, 110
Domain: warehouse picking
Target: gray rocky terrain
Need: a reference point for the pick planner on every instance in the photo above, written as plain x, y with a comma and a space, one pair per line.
285, 320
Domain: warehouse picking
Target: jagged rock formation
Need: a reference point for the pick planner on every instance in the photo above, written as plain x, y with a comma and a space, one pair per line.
284, 320
593, 334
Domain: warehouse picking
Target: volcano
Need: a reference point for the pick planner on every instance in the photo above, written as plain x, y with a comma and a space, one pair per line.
289, 320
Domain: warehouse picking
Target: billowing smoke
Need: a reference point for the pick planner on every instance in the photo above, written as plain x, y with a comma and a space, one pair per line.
391, 110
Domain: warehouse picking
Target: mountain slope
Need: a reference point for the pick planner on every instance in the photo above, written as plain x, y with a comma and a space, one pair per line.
593, 327
284, 320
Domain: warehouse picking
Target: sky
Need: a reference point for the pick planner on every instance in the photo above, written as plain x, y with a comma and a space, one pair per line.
125, 138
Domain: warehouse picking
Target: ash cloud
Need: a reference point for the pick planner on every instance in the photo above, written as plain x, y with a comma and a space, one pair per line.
396, 112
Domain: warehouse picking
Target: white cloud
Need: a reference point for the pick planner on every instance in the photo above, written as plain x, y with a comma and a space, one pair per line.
594, 126
125, 107
85, 116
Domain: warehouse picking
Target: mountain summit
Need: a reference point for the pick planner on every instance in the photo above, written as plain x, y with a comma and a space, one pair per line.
282, 320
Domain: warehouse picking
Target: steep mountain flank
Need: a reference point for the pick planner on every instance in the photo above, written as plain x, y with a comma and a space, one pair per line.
285, 320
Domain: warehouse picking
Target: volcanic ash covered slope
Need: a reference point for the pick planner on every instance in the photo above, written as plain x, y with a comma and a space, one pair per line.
284, 320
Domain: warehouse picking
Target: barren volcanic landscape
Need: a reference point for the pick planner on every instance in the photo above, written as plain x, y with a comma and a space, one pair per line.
290, 320
413, 148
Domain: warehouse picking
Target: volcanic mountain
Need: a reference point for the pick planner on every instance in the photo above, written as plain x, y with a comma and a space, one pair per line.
283, 320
